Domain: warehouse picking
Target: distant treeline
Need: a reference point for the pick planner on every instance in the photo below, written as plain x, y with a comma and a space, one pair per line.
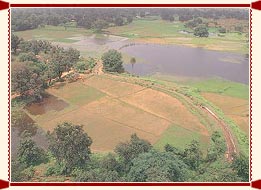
26, 19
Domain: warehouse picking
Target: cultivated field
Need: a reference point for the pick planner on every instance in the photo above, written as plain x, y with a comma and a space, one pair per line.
112, 110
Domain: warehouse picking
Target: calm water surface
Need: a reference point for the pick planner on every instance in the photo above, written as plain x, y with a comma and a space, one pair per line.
187, 61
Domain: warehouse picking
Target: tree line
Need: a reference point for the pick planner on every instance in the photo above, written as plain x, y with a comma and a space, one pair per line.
98, 19
134, 160
37, 64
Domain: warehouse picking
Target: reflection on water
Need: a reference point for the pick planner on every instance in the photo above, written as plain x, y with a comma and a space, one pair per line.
187, 61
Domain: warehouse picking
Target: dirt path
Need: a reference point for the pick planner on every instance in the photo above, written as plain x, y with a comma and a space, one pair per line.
231, 146
98, 69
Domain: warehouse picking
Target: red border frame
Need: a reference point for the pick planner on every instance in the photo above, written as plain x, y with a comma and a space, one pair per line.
255, 5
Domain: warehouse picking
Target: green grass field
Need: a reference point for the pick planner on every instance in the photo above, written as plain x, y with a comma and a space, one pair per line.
180, 137
53, 33
222, 87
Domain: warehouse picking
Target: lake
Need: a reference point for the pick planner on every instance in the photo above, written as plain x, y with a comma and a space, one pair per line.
187, 61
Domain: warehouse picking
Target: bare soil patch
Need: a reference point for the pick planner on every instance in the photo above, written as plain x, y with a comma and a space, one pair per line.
112, 87
167, 107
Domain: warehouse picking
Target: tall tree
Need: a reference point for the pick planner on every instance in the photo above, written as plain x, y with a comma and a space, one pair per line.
15, 41
241, 166
29, 153
157, 166
192, 155
70, 145
131, 149
112, 61
26, 80
201, 31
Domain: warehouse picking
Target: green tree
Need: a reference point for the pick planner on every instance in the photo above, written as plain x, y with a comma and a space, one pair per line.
119, 21
70, 145
15, 41
100, 24
217, 147
131, 149
201, 31
241, 166
27, 57
192, 155
29, 153
59, 62
157, 166
218, 171
112, 61
222, 30
26, 80
109, 163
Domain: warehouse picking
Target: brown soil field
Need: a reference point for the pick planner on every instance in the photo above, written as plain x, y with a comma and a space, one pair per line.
235, 108
112, 110
111, 87
167, 107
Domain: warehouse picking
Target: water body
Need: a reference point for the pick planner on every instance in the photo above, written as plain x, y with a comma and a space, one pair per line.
187, 61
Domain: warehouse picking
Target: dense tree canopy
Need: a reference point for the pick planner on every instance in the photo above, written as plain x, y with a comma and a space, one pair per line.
201, 31
157, 166
112, 61
70, 145
26, 19
131, 149
29, 153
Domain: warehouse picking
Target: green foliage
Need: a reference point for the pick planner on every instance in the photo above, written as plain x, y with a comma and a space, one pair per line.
70, 145
217, 147
192, 155
91, 62
110, 163
219, 171
28, 173
81, 66
222, 30
23, 57
27, 80
62, 60
157, 166
194, 23
15, 41
241, 166
100, 24
29, 153
16, 171
58, 169
96, 175
201, 31
112, 61
131, 149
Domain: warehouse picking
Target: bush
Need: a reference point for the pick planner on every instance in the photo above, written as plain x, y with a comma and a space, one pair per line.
112, 61
58, 169
96, 175
81, 66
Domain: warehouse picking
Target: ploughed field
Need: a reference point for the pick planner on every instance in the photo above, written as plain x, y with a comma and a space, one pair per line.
111, 110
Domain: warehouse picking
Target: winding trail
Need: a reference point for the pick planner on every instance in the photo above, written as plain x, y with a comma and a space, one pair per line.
231, 146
